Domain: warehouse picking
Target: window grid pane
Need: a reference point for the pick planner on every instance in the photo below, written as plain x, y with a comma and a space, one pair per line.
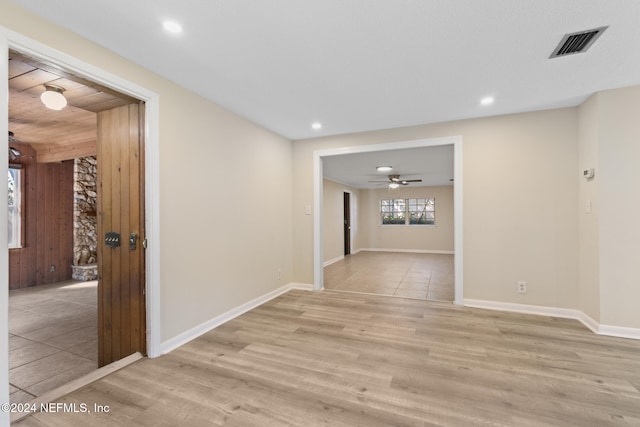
392, 211
422, 211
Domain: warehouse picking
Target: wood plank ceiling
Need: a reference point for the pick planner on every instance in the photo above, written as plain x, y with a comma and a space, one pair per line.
56, 135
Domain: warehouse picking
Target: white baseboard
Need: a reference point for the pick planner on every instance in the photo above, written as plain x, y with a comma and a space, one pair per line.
567, 313
600, 329
196, 331
412, 251
588, 321
619, 331
331, 261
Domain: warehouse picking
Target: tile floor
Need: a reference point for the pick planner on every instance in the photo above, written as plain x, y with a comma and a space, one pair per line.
419, 276
53, 332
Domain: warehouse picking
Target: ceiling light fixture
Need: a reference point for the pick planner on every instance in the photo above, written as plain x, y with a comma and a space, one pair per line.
487, 101
53, 98
316, 125
394, 185
384, 168
172, 27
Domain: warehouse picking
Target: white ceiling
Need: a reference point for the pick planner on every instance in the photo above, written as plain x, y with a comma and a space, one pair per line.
358, 65
433, 165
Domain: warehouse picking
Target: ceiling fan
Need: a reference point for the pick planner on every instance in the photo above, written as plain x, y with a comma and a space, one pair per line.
395, 180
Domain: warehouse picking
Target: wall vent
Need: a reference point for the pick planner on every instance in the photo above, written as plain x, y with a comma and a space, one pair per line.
577, 42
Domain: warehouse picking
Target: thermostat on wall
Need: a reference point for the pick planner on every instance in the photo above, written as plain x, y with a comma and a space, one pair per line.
588, 173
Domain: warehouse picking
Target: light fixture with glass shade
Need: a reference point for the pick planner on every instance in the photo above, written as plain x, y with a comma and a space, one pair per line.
53, 98
394, 185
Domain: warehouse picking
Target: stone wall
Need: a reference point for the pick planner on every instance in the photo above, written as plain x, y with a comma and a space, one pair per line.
84, 216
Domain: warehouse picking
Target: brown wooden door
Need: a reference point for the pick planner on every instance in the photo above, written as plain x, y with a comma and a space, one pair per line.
347, 223
121, 286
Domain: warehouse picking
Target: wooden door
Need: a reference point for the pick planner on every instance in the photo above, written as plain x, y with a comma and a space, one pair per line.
121, 286
347, 223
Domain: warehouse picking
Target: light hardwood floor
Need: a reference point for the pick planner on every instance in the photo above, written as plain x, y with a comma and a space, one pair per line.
345, 359
52, 337
411, 275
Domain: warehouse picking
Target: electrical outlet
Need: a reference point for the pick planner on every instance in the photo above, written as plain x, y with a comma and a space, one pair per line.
521, 287
52, 268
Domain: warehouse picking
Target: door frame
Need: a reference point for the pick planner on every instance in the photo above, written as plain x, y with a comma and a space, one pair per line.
10, 39
455, 141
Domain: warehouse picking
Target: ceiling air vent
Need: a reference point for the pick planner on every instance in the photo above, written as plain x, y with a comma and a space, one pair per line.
577, 42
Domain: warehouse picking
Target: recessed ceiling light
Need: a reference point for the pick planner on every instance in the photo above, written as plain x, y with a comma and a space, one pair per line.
316, 125
172, 27
384, 168
487, 101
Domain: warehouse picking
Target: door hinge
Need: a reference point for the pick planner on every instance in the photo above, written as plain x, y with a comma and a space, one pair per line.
144, 243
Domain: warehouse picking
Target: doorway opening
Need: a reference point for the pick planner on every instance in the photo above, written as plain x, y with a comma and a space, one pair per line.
63, 322
320, 156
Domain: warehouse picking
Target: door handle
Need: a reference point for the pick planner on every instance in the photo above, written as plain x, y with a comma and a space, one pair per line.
133, 239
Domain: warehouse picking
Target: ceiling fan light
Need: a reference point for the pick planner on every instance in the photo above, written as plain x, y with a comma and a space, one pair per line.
53, 98
394, 185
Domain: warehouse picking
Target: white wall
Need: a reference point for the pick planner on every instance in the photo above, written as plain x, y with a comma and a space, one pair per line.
609, 242
588, 269
619, 205
520, 198
420, 238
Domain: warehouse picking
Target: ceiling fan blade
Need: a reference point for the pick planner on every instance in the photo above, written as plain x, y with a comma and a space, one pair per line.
395, 179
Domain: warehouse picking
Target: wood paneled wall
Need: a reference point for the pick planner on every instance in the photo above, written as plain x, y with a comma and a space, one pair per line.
47, 223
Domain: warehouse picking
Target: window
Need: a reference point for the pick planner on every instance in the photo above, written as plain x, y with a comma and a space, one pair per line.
392, 211
408, 211
422, 211
15, 209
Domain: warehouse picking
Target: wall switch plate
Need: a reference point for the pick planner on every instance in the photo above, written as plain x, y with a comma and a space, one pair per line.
521, 287
307, 210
